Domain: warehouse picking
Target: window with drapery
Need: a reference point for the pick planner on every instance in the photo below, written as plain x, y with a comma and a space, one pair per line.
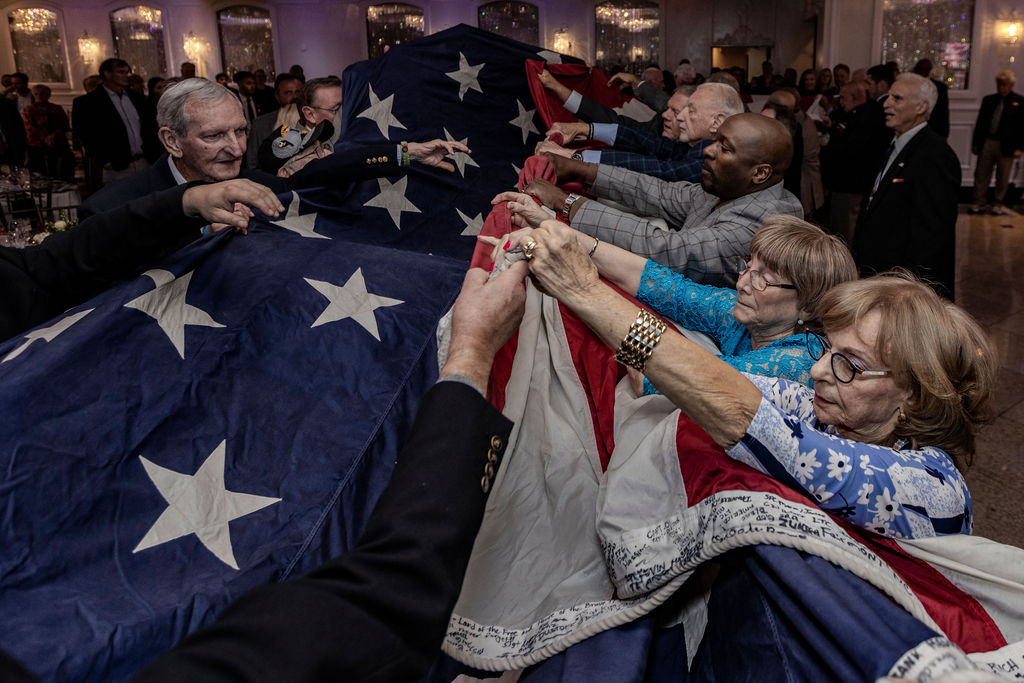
246, 40
627, 33
38, 46
391, 24
939, 30
516, 20
138, 33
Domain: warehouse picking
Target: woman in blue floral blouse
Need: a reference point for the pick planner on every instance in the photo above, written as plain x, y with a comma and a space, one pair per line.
759, 326
902, 381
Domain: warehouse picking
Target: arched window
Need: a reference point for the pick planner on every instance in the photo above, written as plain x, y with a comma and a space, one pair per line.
139, 39
246, 40
627, 34
38, 48
939, 30
390, 24
516, 20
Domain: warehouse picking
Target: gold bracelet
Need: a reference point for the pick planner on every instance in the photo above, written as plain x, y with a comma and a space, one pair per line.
644, 334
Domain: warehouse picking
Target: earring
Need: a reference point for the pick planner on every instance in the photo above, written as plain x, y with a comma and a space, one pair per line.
800, 322
902, 417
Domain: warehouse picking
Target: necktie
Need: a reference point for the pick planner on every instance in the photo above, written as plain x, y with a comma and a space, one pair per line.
885, 162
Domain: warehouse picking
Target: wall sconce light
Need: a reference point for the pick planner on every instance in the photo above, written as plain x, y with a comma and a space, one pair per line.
88, 48
563, 42
1008, 31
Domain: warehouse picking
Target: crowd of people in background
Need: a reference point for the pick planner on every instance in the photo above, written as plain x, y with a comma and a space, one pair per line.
41, 135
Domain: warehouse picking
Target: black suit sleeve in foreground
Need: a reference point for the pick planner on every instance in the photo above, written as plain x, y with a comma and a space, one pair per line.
378, 612
70, 267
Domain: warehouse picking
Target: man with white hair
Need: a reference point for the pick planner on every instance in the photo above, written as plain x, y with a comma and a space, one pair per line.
203, 131
698, 120
909, 217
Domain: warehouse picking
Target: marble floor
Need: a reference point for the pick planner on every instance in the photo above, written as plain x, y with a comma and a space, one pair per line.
990, 285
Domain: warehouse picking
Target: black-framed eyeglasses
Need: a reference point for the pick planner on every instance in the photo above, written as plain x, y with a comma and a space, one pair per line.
842, 367
333, 110
757, 280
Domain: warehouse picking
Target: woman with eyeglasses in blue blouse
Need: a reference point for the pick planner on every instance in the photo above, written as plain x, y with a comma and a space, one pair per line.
902, 381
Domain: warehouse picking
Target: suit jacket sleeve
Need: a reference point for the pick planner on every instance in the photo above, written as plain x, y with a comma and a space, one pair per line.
655, 98
349, 165
595, 112
70, 267
379, 611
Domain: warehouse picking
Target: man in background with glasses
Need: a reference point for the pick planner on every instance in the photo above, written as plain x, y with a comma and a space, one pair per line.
320, 100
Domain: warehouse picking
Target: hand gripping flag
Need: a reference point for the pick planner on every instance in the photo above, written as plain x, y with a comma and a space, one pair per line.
615, 514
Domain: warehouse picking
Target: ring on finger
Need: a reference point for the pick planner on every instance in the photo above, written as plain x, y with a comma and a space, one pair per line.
528, 248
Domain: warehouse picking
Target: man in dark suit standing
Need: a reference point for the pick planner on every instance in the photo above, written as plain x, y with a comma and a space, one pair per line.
998, 140
116, 125
909, 217
857, 139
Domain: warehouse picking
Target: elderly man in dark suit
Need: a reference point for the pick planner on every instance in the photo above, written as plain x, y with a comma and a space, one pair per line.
203, 129
998, 139
115, 124
909, 218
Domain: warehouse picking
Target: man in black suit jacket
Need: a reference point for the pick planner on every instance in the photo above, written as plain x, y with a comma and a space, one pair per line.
115, 124
909, 218
849, 162
998, 139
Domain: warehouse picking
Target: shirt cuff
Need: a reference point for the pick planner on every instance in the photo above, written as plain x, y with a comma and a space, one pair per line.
462, 379
573, 102
606, 132
592, 156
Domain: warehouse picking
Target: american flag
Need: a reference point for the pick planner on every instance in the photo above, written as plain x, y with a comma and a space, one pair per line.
228, 418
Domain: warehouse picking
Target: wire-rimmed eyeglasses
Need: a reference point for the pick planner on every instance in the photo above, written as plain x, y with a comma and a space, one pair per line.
842, 367
757, 280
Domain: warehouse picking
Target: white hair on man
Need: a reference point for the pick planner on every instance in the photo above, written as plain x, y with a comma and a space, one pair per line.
924, 90
171, 111
727, 100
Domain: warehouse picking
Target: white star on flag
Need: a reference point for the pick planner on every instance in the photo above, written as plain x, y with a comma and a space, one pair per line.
461, 159
47, 333
379, 112
303, 225
166, 304
549, 56
467, 76
473, 225
525, 121
392, 198
517, 170
351, 300
199, 504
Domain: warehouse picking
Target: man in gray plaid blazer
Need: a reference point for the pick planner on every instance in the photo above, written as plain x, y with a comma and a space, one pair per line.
710, 223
